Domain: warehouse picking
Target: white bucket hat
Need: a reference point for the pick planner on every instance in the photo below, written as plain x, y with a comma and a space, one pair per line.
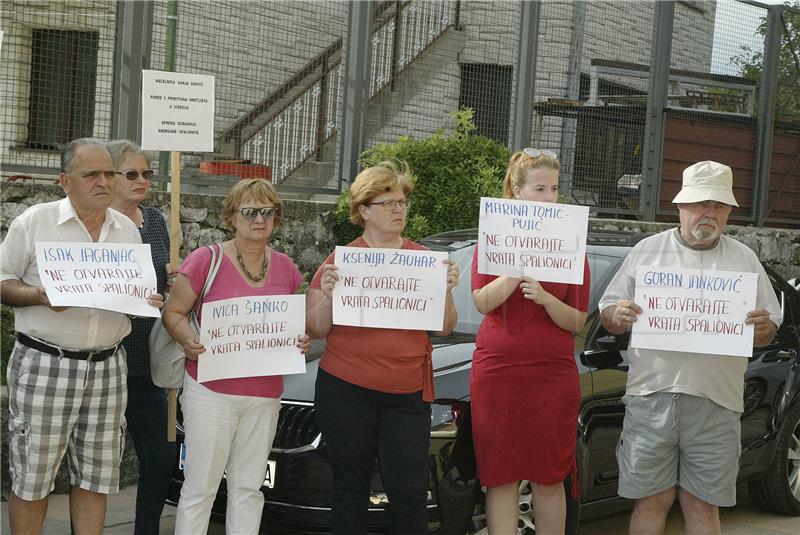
707, 181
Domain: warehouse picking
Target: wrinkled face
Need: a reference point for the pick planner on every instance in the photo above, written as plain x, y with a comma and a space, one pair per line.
389, 218
541, 185
703, 222
132, 191
90, 184
256, 223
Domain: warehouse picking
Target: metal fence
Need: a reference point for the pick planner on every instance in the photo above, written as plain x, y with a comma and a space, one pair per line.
629, 93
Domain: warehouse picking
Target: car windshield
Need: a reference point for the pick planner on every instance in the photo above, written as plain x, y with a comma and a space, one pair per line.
603, 263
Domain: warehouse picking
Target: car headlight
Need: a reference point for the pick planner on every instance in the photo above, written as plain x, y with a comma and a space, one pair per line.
445, 418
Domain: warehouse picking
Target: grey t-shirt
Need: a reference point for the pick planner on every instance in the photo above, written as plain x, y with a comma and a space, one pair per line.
716, 377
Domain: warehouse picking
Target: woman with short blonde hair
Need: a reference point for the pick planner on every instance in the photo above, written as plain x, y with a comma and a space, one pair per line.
374, 386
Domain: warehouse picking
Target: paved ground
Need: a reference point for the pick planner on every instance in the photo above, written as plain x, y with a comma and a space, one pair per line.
744, 519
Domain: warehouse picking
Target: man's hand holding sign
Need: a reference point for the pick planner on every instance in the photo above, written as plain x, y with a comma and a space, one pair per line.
107, 276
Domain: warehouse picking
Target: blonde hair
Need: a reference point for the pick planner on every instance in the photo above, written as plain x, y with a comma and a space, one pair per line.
375, 180
518, 166
255, 189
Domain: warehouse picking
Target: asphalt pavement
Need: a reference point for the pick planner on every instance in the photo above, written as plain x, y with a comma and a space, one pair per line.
744, 519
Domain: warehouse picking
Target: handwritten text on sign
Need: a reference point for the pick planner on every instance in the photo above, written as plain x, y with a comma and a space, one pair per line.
177, 111
390, 288
251, 337
694, 311
545, 241
108, 276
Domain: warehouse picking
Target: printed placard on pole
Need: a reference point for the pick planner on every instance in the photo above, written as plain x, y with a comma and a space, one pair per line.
177, 111
108, 276
252, 337
390, 288
694, 311
545, 241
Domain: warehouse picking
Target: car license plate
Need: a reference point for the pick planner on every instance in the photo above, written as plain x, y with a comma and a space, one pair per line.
269, 478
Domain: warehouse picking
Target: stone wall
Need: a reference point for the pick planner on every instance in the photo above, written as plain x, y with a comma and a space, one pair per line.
306, 232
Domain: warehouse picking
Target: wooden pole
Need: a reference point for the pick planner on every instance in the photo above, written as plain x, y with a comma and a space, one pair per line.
174, 258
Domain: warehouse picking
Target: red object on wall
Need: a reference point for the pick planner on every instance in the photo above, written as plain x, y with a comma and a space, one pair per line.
239, 168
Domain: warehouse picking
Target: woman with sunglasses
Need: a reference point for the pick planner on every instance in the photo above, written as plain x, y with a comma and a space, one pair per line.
524, 382
230, 423
146, 412
374, 386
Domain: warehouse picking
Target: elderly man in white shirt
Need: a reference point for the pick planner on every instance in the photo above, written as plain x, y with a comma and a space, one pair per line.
67, 373
681, 426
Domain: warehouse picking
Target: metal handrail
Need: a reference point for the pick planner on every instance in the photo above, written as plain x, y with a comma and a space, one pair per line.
299, 128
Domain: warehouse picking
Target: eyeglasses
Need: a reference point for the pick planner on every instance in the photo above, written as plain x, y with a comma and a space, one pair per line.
535, 153
133, 174
251, 213
390, 205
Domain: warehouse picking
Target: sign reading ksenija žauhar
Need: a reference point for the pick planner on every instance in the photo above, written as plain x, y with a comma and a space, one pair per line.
177, 111
251, 337
545, 241
694, 311
108, 276
390, 288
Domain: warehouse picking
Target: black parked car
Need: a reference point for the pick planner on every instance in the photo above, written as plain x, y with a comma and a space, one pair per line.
298, 485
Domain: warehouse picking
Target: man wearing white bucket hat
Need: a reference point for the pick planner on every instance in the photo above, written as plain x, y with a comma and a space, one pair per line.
681, 425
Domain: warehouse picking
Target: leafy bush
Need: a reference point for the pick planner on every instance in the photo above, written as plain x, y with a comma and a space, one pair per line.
451, 172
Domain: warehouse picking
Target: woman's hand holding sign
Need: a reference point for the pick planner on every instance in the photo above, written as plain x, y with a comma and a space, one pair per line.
330, 277
193, 348
532, 290
303, 342
453, 274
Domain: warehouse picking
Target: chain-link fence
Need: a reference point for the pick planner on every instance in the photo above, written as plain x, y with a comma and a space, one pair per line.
281, 83
55, 80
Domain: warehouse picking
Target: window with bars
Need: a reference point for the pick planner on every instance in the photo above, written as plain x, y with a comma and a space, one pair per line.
486, 88
63, 81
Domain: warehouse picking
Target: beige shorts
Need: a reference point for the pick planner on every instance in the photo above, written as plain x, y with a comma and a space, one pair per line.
671, 439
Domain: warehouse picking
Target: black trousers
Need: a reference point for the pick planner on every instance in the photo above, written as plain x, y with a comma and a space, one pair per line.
358, 424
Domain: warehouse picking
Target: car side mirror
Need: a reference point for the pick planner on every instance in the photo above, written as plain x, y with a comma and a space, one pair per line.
613, 343
601, 359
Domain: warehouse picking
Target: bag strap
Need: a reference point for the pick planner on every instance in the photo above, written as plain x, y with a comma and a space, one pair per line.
213, 268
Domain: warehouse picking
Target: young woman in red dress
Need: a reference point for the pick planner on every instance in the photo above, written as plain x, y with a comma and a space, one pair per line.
524, 384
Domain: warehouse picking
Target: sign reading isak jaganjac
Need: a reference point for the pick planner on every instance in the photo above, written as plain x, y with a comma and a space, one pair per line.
694, 311
109, 276
546, 241
252, 336
390, 288
177, 111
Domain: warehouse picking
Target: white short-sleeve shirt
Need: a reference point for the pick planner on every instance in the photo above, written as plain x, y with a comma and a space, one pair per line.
716, 377
57, 221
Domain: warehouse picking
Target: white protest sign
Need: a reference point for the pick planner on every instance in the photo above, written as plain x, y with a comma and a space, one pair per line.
177, 111
252, 337
390, 288
108, 276
694, 311
545, 241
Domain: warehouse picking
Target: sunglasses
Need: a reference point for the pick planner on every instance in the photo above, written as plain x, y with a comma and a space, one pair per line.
251, 213
535, 153
133, 174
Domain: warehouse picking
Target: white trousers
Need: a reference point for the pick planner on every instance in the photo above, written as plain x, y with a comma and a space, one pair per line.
224, 433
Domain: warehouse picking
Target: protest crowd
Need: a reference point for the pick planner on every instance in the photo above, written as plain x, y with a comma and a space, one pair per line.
80, 376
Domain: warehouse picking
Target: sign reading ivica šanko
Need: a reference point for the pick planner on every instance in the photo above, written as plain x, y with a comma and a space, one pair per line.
390, 288
694, 311
109, 276
546, 241
252, 336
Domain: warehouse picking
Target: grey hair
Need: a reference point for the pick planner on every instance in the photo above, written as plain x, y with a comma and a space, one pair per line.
68, 152
118, 148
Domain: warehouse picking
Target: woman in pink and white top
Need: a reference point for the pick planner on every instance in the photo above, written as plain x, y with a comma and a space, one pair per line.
230, 423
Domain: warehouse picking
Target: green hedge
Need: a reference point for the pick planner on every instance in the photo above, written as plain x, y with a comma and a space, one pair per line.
452, 170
